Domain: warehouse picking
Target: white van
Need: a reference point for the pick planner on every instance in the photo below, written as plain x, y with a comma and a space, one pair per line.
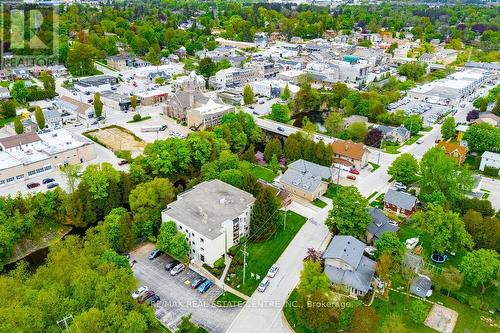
263, 285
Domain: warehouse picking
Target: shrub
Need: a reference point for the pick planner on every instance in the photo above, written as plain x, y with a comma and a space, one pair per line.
219, 263
136, 117
490, 171
475, 302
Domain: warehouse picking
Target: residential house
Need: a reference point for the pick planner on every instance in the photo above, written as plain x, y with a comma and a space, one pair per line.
4, 93
489, 159
20, 74
307, 180
28, 126
214, 216
454, 150
395, 134
400, 203
380, 225
158, 74
53, 118
421, 286
346, 265
349, 155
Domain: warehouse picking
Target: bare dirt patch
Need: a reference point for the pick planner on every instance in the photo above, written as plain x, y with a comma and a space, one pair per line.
117, 138
442, 319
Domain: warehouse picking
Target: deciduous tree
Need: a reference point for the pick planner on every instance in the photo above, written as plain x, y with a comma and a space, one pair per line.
349, 215
248, 95
448, 128
483, 137
480, 267
334, 123
404, 169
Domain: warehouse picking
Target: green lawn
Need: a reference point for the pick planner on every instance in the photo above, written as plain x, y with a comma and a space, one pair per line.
228, 299
261, 172
426, 129
136, 121
332, 190
262, 255
319, 203
4, 84
374, 166
398, 304
391, 149
372, 195
413, 139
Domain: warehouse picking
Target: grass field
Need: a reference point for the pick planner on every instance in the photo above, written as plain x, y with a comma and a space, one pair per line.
261, 172
319, 203
262, 255
228, 299
374, 166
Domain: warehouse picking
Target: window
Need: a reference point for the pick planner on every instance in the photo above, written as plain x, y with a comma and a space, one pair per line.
180, 227
201, 240
19, 177
202, 257
10, 180
48, 167
2, 182
31, 173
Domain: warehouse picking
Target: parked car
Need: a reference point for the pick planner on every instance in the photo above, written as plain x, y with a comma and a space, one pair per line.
281, 129
420, 141
172, 264
351, 177
145, 296
399, 186
99, 118
204, 286
32, 185
251, 107
139, 292
153, 299
354, 171
263, 285
273, 271
48, 180
122, 162
52, 185
154, 254
197, 282
177, 269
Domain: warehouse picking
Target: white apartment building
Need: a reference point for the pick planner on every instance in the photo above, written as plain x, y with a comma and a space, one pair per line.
213, 215
273, 88
231, 77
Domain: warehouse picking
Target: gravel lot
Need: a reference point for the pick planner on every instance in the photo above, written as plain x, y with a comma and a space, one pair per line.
178, 299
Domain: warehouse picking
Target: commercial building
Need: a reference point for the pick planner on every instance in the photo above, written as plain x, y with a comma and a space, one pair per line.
291, 76
273, 88
30, 154
451, 90
71, 105
207, 115
151, 97
231, 77
234, 43
95, 84
213, 215
115, 101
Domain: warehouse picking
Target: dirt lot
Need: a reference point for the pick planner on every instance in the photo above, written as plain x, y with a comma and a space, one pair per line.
117, 138
441, 319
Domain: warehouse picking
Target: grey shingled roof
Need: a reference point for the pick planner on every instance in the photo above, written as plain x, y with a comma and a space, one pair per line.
359, 279
420, 285
315, 169
207, 205
400, 199
380, 224
345, 248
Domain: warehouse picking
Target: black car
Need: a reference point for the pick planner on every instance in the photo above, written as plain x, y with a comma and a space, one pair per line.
52, 185
48, 180
196, 282
153, 299
171, 265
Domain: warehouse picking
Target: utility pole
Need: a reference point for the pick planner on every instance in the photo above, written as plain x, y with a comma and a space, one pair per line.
380, 151
63, 323
245, 253
284, 219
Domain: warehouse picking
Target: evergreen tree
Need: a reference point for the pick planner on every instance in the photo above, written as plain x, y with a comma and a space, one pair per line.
39, 117
265, 217
18, 126
97, 105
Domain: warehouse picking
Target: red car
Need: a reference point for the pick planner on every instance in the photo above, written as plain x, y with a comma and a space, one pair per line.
32, 185
351, 177
122, 162
354, 171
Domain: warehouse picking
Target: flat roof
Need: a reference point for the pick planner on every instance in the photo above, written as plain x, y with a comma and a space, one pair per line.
207, 205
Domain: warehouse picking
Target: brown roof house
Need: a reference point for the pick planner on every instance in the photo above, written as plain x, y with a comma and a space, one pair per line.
348, 154
454, 150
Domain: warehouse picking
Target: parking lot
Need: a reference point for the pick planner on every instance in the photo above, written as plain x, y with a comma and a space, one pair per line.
429, 112
177, 298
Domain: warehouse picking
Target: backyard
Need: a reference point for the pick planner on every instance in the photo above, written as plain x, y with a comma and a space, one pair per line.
264, 173
262, 255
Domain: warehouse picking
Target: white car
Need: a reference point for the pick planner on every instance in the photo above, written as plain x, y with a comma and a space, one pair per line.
177, 269
272, 271
139, 292
263, 284
419, 141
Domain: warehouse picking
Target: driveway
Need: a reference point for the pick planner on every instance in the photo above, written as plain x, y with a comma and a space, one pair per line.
178, 299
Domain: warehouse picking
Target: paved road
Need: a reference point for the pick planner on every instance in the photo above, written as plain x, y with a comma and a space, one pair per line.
492, 185
262, 313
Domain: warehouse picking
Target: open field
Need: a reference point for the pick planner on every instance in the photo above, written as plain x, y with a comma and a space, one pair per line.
117, 138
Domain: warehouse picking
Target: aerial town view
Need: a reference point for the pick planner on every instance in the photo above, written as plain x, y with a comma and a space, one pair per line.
250, 166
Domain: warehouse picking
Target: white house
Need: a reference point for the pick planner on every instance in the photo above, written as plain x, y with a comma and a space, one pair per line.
489, 159
4, 93
213, 215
